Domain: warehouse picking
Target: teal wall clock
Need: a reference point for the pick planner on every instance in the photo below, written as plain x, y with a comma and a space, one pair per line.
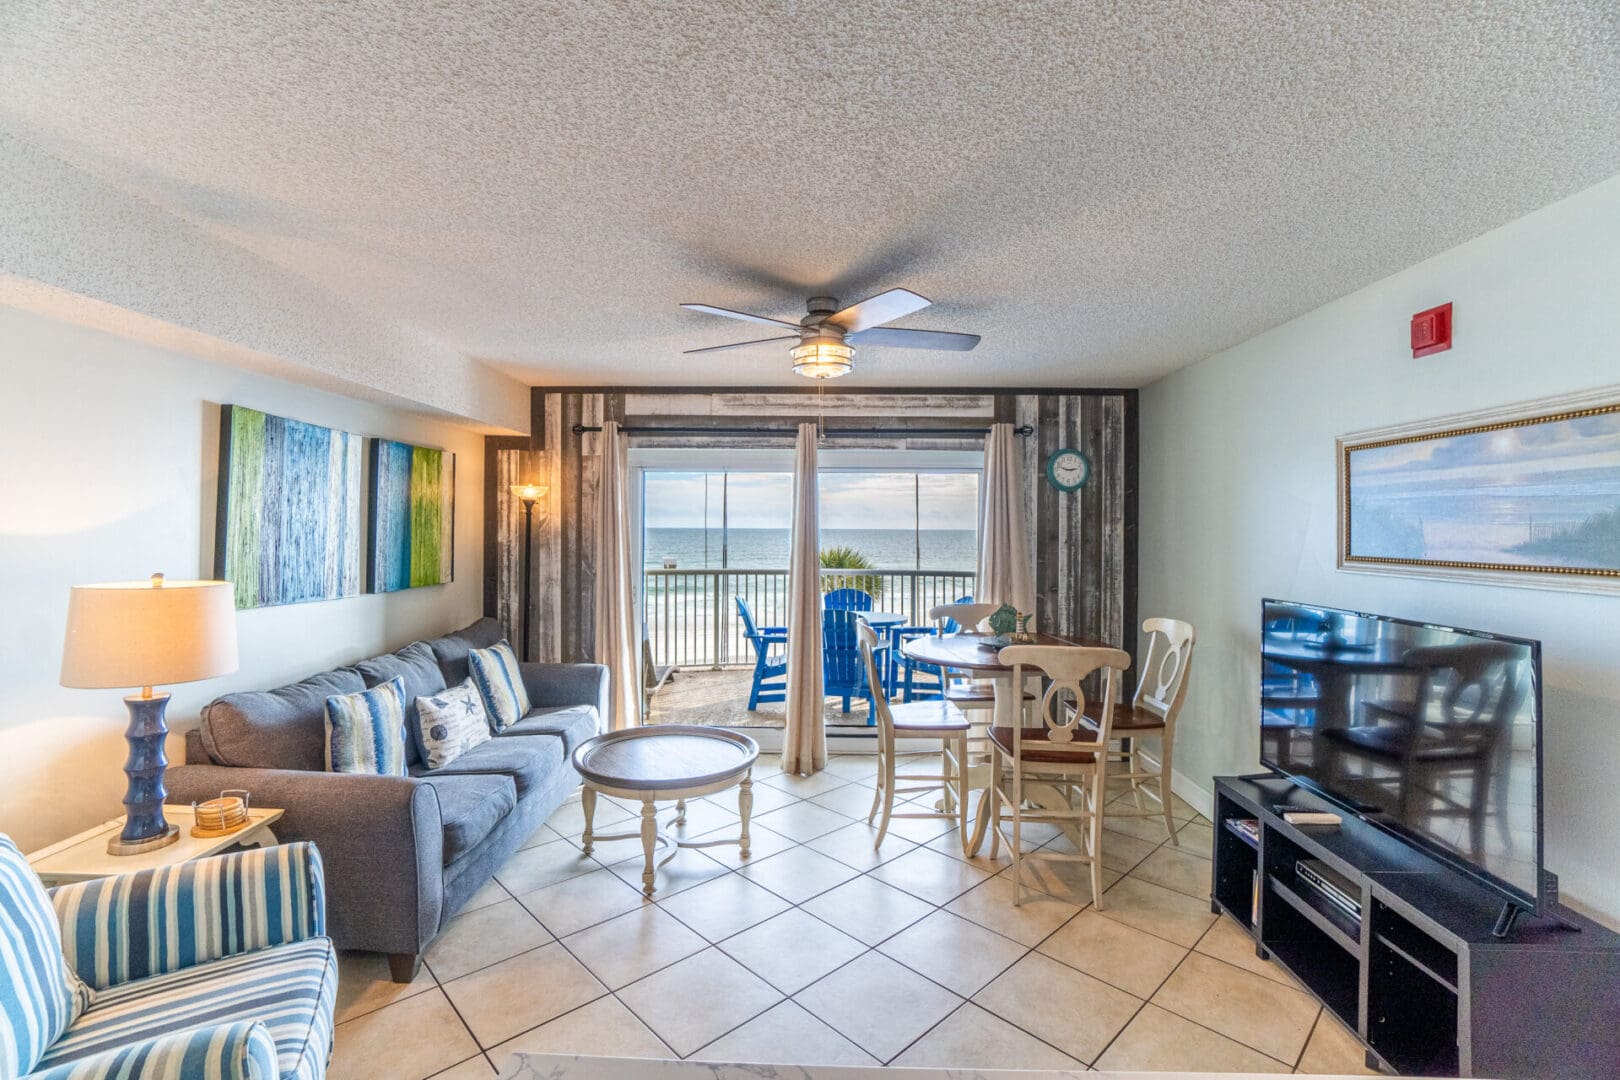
1068, 470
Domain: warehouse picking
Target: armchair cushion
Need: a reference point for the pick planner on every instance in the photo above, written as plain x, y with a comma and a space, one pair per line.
119, 929
242, 1050
573, 724
291, 990
39, 995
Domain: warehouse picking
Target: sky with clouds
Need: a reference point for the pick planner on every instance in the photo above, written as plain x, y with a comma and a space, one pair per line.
849, 500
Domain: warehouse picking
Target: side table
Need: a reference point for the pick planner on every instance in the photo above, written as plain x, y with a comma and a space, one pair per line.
84, 857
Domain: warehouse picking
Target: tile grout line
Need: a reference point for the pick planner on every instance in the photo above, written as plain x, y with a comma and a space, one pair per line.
718, 945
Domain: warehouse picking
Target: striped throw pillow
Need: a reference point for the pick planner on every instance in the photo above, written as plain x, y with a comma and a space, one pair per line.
453, 722
365, 732
39, 996
495, 673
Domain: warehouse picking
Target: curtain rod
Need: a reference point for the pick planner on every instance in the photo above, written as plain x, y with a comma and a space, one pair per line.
830, 433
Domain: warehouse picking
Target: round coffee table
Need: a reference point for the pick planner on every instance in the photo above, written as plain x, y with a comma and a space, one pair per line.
674, 761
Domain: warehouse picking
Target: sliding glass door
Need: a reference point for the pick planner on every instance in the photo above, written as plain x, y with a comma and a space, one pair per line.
710, 537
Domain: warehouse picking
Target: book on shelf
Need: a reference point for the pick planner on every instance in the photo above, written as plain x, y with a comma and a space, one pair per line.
1246, 827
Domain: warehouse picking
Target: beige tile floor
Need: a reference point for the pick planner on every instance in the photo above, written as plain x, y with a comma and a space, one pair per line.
820, 950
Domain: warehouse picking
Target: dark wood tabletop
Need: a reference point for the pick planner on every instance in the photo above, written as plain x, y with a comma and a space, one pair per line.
665, 757
967, 652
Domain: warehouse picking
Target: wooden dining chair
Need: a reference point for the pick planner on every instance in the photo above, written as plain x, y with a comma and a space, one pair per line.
1061, 754
966, 693
1160, 690
937, 719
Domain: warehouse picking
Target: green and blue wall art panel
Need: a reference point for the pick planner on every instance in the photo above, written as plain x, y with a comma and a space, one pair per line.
413, 504
288, 525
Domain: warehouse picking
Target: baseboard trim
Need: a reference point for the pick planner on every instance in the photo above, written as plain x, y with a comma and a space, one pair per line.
1192, 793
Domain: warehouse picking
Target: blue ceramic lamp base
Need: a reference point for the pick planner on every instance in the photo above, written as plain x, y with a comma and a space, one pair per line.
145, 828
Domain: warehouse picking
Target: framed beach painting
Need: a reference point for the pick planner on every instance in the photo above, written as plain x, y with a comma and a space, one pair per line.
288, 522
413, 516
1524, 496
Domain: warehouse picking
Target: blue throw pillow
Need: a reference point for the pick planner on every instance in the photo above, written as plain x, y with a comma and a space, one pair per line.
365, 733
39, 996
500, 684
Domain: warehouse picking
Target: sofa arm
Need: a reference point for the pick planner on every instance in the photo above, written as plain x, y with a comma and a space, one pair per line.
242, 1050
381, 841
152, 922
551, 685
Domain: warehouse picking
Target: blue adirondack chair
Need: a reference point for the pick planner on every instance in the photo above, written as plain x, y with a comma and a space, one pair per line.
843, 672
920, 682
770, 669
848, 600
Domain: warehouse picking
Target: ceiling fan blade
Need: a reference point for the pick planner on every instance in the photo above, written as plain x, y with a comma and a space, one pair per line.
740, 344
879, 309
914, 339
743, 315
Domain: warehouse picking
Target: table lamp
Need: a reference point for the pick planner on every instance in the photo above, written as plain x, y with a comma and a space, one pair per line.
141, 633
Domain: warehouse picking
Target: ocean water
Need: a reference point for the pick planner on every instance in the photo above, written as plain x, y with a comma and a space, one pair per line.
767, 549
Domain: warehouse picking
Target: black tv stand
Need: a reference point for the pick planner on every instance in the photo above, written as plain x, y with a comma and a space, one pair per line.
1437, 978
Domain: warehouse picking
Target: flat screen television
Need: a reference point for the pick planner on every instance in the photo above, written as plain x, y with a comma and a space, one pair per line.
1430, 732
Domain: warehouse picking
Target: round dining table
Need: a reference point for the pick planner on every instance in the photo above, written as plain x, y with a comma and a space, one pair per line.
975, 653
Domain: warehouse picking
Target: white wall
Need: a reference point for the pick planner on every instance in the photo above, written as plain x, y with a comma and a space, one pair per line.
108, 471
1238, 495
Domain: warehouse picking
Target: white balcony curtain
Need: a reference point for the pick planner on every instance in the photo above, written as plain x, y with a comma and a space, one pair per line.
1004, 574
804, 741
617, 636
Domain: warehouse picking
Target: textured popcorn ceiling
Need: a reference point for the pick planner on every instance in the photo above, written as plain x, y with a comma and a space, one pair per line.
1105, 192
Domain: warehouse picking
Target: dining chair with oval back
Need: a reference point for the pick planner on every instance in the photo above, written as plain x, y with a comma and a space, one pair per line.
936, 719
1160, 690
1060, 752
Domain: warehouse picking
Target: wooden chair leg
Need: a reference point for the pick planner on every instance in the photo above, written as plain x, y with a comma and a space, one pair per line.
888, 797
1095, 836
961, 787
877, 794
945, 771
1018, 835
1164, 791
993, 793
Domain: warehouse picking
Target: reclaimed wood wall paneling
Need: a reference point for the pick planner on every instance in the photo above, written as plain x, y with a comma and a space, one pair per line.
1083, 553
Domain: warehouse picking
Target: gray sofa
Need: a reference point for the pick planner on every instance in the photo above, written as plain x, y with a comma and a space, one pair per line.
402, 853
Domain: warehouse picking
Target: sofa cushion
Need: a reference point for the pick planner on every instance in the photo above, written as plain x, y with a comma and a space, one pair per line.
416, 664
530, 761
452, 722
452, 649
470, 806
365, 732
39, 996
290, 989
571, 723
495, 673
283, 728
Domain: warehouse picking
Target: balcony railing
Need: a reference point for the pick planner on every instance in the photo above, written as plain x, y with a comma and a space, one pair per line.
692, 616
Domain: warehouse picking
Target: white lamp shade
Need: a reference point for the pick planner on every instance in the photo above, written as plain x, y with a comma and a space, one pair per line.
149, 633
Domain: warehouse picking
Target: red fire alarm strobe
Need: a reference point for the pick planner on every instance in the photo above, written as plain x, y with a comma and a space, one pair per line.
1431, 331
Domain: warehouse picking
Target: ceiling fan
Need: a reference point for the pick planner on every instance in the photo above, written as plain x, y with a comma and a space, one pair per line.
827, 336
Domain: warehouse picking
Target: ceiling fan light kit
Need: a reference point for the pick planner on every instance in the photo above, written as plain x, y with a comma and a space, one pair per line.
822, 359
827, 334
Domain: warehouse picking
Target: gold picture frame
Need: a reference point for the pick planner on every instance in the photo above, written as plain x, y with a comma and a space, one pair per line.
1525, 496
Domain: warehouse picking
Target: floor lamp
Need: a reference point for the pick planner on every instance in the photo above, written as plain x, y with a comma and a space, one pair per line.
529, 494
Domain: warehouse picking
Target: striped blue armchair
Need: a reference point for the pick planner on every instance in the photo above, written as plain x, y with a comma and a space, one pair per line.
217, 969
